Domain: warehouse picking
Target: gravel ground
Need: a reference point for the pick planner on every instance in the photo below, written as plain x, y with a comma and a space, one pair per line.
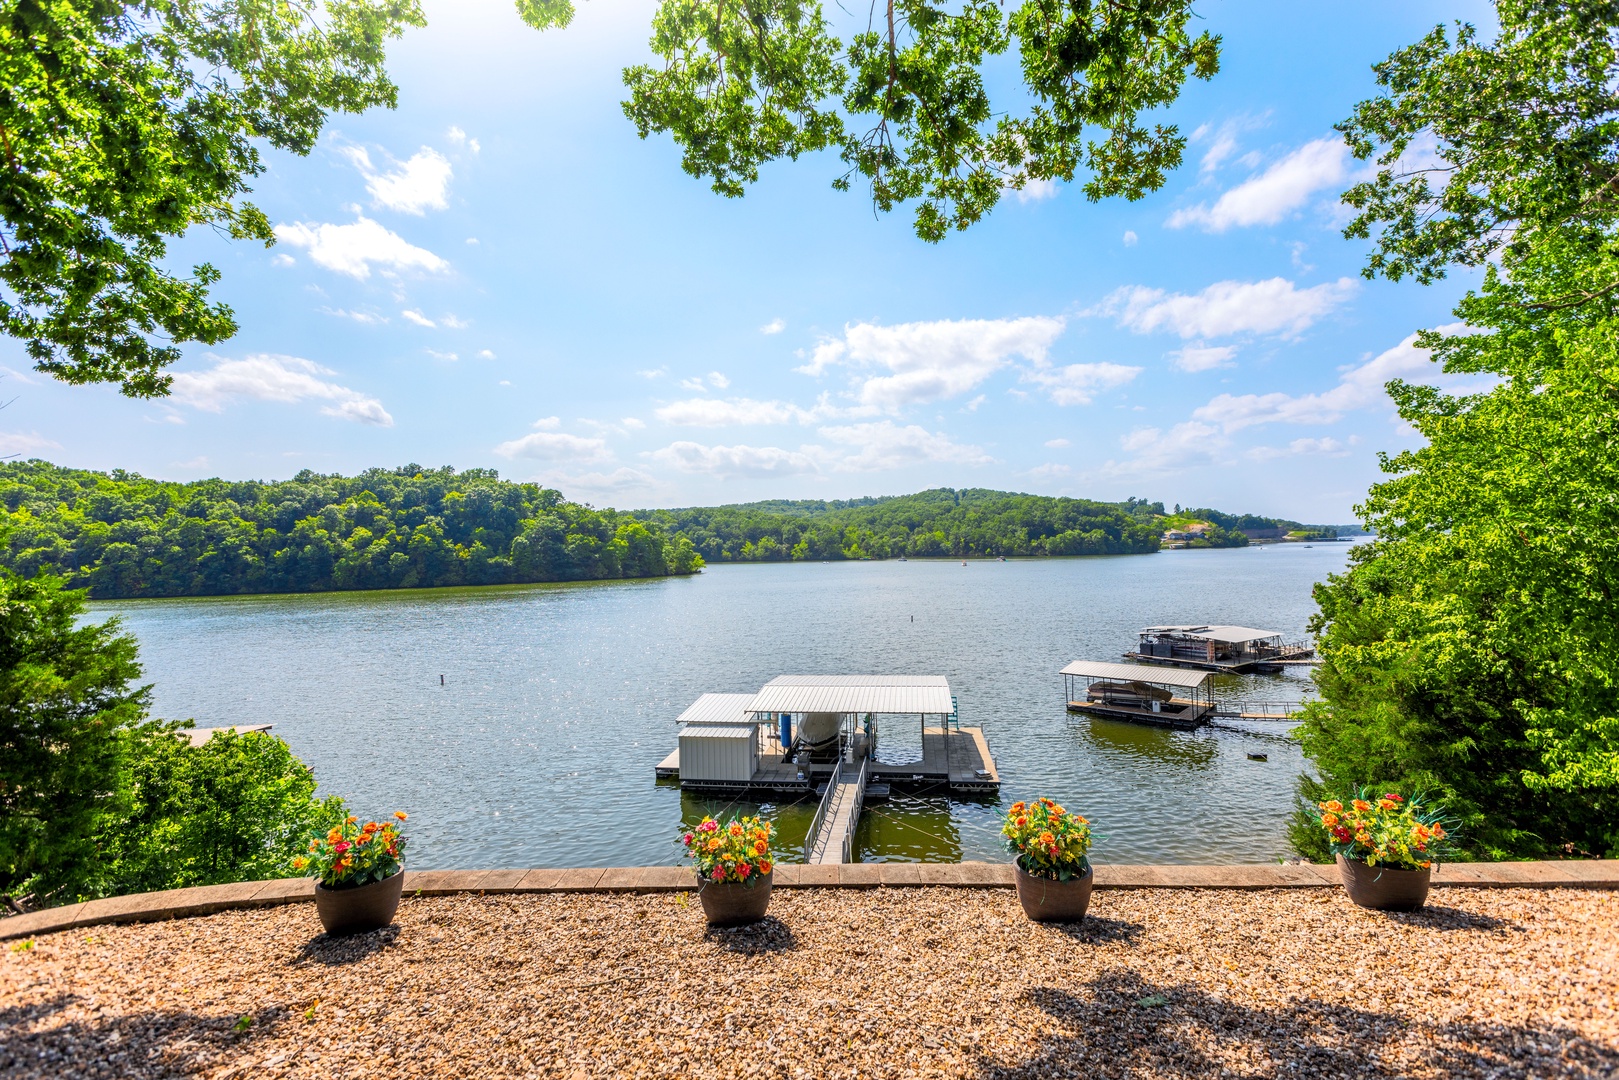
836, 983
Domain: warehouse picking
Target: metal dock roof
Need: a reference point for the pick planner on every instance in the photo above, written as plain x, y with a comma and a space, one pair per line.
855, 694
1097, 669
718, 709
720, 731
1233, 635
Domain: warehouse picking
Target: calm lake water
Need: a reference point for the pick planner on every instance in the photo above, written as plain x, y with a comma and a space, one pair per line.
557, 700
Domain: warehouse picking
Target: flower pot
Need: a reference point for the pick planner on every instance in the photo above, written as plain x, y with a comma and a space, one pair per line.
1050, 900
1383, 888
729, 903
360, 909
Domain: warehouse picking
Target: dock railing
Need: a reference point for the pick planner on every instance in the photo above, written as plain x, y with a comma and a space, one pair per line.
1258, 710
846, 843
819, 819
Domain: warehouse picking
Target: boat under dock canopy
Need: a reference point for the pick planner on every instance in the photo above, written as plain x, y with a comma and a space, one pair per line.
806, 735
1140, 693
1219, 648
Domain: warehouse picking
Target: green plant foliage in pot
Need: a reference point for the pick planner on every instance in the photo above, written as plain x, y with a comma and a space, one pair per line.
1051, 857
359, 874
1386, 847
734, 865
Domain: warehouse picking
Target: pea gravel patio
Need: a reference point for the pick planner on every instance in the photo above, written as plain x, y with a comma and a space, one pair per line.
890, 982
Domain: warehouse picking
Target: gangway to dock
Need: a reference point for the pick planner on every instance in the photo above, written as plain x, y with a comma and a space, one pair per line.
831, 833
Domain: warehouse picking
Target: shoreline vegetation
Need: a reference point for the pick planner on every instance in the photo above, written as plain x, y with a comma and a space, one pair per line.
124, 536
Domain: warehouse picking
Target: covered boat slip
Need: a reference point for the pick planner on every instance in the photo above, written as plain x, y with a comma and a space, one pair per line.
1137, 692
1218, 648
827, 720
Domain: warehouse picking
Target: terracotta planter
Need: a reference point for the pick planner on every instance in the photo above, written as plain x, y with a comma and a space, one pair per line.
1048, 900
1383, 888
359, 910
728, 903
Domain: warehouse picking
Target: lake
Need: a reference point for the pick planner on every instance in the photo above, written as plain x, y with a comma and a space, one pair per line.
558, 700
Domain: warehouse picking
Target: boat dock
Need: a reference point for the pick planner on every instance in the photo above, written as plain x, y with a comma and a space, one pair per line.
1163, 697
1235, 649
803, 736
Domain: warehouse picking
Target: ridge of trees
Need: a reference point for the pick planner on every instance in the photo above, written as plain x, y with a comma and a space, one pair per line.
941, 522
122, 535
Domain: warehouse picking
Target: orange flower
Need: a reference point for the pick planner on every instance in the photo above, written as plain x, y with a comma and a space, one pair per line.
1018, 807
1386, 803
735, 829
401, 815
1334, 805
1329, 820
1047, 839
1361, 805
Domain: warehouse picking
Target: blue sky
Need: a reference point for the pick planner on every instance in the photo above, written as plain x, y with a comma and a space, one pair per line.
501, 274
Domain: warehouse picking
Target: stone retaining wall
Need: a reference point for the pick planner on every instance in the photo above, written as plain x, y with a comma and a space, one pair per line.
179, 903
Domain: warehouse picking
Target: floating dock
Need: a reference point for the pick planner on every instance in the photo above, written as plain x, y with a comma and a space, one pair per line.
803, 736
1235, 649
1140, 693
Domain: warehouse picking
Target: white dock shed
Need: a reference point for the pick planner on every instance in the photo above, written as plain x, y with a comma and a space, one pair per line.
726, 753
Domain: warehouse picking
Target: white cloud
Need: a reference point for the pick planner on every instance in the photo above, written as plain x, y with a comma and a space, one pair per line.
932, 361
1203, 357
1078, 384
774, 326
1275, 193
1273, 306
726, 461
972, 406
1153, 450
352, 249
16, 444
457, 137
452, 323
411, 187
633, 423
472, 241
436, 355
367, 318
732, 412
1058, 444
548, 445
1358, 388
596, 485
1223, 141
693, 384
886, 445
547, 423
1326, 447
268, 377
656, 374
1037, 191
486, 354
283, 259
418, 318
717, 380
1051, 470
1130, 238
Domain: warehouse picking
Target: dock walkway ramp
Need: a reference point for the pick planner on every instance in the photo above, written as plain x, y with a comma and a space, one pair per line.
832, 830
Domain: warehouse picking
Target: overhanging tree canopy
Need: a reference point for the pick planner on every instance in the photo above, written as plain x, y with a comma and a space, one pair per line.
905, 101
123, 124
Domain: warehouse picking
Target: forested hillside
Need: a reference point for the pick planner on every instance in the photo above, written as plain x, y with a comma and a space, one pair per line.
938, 522
122, 535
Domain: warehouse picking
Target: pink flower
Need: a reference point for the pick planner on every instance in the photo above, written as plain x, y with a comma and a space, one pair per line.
688, 839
